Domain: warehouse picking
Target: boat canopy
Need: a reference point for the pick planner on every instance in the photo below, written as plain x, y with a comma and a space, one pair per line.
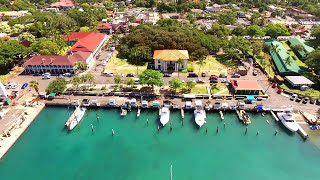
133, 102
259, 107
188, 103
198, 103
250, 98
144, 102
112, 101
224, 105
155, 103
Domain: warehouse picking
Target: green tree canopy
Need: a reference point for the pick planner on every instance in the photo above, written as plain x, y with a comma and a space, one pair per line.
275, 30
27, 37
313, 59
151, 77
57, 86
255, 31
175, 84
219, 30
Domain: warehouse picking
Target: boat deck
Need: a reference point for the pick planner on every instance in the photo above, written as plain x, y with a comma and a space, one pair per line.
72, 116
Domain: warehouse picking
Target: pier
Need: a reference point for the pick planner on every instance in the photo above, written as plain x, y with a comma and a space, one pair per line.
72, 116
182, 113
238, 113
302, 133
274, 116
221, 115
138, 112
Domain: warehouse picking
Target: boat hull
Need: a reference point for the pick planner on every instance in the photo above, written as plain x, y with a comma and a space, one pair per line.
200, 117
292, 126
78, 117
164, 116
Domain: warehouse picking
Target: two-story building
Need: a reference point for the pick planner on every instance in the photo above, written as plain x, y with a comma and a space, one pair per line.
166, 60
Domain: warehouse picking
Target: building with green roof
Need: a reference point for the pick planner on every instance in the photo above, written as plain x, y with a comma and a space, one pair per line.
282, 59
303, 53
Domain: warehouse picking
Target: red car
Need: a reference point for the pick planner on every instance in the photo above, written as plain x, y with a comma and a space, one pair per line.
213, 77
203, 74
274, 85
279, 91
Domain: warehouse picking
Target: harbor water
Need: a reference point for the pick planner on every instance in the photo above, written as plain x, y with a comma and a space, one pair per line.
138, 151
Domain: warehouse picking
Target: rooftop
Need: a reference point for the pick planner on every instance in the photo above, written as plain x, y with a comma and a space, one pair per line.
299, 80
62, 3
104, 26
246, 85
170, 54
58, 60
87, 41
307, 49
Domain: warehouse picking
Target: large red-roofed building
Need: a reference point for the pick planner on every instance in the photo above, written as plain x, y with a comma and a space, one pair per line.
63, 4
85, 47
246, 87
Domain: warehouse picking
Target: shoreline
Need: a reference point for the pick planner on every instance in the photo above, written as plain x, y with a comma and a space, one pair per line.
16, 132
33, 112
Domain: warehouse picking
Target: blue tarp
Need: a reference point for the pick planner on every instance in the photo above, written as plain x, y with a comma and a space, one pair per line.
250, 97
259, 107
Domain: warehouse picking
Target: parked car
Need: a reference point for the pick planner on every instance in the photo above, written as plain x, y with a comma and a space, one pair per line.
24, 86
298, 100
190, 75
223, 76
312, 101
203, 74
288, 92
122, 75
213, 77
224, 81
294, 96
201, 81
109, 75
67, 75
60, 77
46, 76
130, 75
255, 72
274, 85
166, 75
318, 102
236, 76
305, 100
279, 91
214, 81
259, 98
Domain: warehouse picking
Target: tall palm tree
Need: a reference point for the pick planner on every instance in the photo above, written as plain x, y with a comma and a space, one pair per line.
179, 62
80, 66
35, 86
76, 81
274, 49
201, 63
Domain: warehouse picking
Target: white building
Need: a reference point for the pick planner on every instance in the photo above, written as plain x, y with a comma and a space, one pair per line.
166, 60
3, 91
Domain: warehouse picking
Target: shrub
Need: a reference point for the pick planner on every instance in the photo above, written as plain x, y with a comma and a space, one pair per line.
121, 86
134, 86
115, 88
103, 88
91, 89
190, 68
184, 70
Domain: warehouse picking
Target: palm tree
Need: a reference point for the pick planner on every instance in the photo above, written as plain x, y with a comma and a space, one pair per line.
80, 66
90, 78
35, 86
76, 81
201, 63
274, 49
179, 62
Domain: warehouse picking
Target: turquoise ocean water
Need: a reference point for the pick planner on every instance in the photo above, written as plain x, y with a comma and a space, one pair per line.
48, 151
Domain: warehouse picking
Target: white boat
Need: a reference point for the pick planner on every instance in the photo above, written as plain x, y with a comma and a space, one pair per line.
123, 112
75, 118
165, 116
200, 117
144, 104
288, 121
112, 102
188, 105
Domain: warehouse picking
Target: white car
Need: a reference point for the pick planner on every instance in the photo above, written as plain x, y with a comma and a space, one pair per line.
109, 75
46, 76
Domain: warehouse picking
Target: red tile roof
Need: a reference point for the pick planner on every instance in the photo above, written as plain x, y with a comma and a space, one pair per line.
58, 60
48, 60
249, 85
63, 3
104, 26
87, 41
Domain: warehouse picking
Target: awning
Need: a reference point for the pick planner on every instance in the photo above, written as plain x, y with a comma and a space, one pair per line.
250, 97
52, 94
189, 96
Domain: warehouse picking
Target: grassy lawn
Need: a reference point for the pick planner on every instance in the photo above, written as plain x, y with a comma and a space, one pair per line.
222, 59
310, 92
199, 89
220, 89
268, 67
121, 66
212, 65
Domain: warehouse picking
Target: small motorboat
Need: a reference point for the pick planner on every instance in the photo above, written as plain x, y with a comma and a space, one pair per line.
288, 120
200, 117
123, 112
245, 117
164, 116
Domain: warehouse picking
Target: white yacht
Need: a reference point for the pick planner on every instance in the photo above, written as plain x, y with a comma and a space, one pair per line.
75, 118
165, 116
200, 117
288, 121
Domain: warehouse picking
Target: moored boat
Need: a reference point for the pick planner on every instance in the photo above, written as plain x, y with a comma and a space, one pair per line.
75, 118
164, 116
288, 120
123, 112
245, 117
200, 117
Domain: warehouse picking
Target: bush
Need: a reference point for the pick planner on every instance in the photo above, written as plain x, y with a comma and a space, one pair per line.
91, 89
190, 68
121, 86
184, 70
115, 89
127, 89
134, 86
103, 88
